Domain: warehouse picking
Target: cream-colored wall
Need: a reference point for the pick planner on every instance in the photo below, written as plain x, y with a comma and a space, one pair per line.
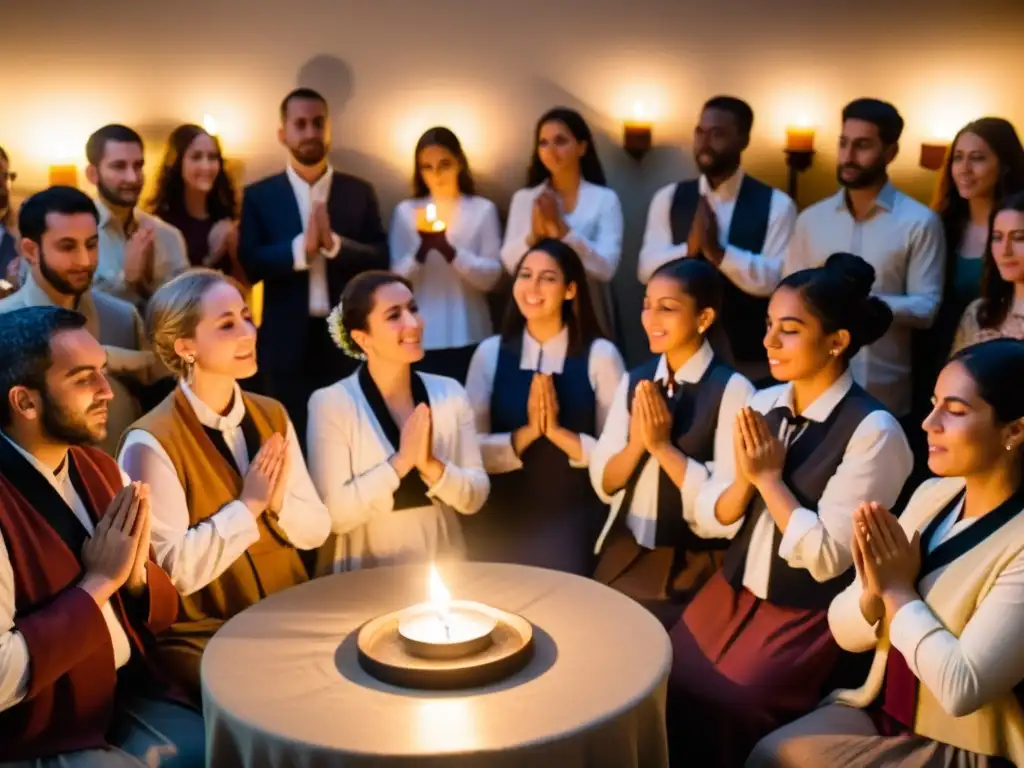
392, 68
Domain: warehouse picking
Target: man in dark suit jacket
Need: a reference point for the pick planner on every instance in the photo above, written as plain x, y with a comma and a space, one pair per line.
305, 233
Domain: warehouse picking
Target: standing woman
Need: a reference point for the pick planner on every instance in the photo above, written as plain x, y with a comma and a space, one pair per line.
939, 596
567, 198
232, 500
451, 268
1000, 310
671, 418
541, 392
393, 451
753, 649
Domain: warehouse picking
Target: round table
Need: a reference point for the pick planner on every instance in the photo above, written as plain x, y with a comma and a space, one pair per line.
282, 685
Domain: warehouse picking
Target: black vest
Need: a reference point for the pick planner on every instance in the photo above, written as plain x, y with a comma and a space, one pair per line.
742, 314
811, 461
694, 422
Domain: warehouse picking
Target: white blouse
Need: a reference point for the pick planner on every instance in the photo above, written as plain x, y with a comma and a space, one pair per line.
348, 458
604, 370
642, 516
595, 229
451, 296
875, 465
195, 556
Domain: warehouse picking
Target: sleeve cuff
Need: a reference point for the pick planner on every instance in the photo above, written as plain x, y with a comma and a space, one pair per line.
436, 491
801, 522
694, 479
708, 526
587, 445
498, 454
299, 253
909, 627
335, 248
235, 521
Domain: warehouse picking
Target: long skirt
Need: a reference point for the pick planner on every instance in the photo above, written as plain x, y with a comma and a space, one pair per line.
742, 667
848, 737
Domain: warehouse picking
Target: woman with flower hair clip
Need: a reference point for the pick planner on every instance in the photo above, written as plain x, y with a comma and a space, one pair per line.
393, 452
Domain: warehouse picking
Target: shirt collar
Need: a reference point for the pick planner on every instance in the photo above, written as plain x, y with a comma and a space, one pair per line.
108, 220
321, 183
35, 296
56, 480
209, 417
727, 190
885, 199
821, 408
691, 371
551, 350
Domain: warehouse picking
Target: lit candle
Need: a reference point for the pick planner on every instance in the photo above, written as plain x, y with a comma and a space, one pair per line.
637, 132
799, 138
430, 221
210, 124
442, 627
63, 173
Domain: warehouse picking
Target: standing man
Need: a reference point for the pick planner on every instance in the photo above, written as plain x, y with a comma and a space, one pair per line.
138, 252
9, 261
305, 233
80, 599
901, 238
59, 239
737, 223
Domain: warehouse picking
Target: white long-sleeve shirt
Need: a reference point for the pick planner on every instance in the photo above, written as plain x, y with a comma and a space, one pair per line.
875, 465
604, 370
753, 273
15, 663
903, 240
195, 556
642, 516
451, 297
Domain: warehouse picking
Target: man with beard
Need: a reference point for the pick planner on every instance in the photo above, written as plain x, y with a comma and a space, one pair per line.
9, 261
305, 233
80, 599
901, 238
730, 219
138, 251
59, 240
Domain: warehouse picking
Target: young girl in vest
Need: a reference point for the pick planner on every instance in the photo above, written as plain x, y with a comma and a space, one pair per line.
232, 500
670, 418
753, 650
938, 596
392, 451
541, 392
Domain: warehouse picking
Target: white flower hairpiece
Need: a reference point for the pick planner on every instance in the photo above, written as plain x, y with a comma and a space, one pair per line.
340, 335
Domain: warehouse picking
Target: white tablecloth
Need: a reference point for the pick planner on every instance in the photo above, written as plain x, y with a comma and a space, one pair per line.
282, 685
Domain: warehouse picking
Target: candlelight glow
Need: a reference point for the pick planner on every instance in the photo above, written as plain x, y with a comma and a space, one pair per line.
640, 113
210, 124
440, 597
429, 221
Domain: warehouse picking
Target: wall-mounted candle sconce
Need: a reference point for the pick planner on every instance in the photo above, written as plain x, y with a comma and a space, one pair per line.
637, 133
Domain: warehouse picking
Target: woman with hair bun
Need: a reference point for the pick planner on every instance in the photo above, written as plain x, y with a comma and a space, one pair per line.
232, 501
753, 649
393, 451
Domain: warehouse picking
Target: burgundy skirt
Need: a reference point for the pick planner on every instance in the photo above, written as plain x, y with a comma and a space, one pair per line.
741, 668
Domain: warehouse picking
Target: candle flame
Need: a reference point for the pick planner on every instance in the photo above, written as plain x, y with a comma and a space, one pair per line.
640, 112
440, 597
431, 212
210, 124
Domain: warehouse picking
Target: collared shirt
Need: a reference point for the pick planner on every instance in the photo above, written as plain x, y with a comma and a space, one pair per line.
170, 257
195, 556
306, 195
754, 273
642, 515
14, 658
876, 464
604, 370
903, 240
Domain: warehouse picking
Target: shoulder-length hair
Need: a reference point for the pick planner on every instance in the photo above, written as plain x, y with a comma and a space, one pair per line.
169, 198
578, 313
590, 164
996, 293
439, 136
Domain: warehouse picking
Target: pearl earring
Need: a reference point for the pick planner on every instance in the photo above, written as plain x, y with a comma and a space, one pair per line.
1009, 446
833, 352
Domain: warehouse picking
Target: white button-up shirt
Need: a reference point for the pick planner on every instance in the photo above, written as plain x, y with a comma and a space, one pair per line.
903, 240
305, 196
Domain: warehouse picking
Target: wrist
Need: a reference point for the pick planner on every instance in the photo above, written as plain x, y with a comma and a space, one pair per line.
101, 588
255, 507
400, 464
763, 481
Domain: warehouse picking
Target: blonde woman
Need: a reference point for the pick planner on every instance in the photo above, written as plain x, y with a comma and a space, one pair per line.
232, 499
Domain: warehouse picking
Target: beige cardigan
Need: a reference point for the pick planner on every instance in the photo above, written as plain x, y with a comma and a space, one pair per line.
952, 593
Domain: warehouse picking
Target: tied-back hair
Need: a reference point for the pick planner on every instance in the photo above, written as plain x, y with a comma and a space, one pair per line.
578, 313
997, 369
174, 311
703, 283
359, 298
590, 164
996, 293
440, 136
169, 197
839, 295
952, 209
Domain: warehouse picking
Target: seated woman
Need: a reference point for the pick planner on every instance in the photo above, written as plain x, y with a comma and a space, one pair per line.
567, 198
232, 500
1000, 310
393, 452
541, 391
195, 194
670, 418
753, 649
938, 596
451, 270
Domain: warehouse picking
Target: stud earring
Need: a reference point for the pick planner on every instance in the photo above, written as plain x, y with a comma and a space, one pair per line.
1009, 446
834, 352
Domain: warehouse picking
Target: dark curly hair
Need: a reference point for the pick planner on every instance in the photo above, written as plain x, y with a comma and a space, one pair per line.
169, 198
